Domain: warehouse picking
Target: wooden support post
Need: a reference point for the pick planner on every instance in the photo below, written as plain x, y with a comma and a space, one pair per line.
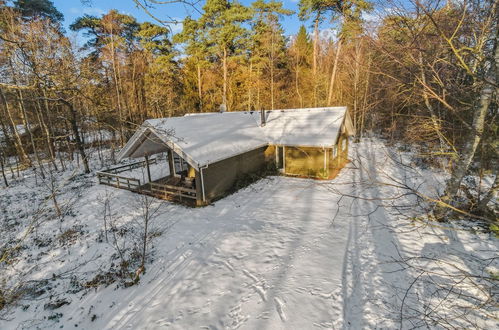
326, 172
284, 159
148, 169
170, 162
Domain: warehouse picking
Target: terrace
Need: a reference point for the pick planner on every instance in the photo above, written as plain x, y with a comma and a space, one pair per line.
153, 177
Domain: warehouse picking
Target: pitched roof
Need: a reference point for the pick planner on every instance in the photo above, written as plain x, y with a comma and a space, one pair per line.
206, 138
314, 127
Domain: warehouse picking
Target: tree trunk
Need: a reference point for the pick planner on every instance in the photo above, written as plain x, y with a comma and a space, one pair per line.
258, 75
272, 71
200, 89
333, 73
27, 126
250, 75
471, 145
48, 140
76, 133
17, 137
315, 56
429, 106
2, 168
224, 62
364, 105
117, 88
356, 78
297, 85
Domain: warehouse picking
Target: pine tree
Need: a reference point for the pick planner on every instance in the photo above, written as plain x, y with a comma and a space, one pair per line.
222, 22
268, 51
300, 51
196, 48
348, 12
38, 8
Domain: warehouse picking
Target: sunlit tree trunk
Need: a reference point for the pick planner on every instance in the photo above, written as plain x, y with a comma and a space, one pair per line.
333, 73
250, 82
429, 106
117, 89
480, 111
200, 87
314, 57
224, 64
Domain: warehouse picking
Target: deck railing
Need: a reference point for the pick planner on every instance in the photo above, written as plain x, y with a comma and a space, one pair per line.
129, 167
117, 181
110, 177
164, 191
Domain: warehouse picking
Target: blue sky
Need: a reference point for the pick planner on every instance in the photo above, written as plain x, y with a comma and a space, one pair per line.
74, 8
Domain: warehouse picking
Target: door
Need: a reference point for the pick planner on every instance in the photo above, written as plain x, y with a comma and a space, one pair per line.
180, 166
280, 158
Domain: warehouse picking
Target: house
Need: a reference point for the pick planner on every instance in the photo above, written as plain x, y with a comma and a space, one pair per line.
208, 152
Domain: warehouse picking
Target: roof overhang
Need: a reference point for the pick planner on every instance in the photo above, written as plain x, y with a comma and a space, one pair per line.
147, 141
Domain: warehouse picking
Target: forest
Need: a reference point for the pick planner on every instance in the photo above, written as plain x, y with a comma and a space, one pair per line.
420, 75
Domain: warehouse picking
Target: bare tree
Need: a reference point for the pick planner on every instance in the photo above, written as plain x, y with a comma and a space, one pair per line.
2, 167
148, 208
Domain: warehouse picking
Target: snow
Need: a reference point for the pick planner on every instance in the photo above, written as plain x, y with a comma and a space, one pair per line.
203, 139
97, 136
283, 253
315, 127
20, 129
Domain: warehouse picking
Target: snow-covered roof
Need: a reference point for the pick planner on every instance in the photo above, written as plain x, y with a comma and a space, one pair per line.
206, 138
314, 127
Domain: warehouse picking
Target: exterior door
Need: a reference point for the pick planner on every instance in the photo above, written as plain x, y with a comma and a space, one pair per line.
180, 166
280, 158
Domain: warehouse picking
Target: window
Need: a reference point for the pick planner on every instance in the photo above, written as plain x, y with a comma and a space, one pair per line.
344, 145
335, 152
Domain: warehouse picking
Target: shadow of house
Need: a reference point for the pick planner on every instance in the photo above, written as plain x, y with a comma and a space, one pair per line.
209, 152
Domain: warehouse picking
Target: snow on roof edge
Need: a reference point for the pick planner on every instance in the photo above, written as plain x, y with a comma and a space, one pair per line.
148, 125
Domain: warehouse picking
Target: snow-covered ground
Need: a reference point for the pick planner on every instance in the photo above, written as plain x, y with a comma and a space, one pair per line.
284, 253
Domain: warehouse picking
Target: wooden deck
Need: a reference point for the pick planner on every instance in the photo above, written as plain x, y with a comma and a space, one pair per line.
168, 188
171, 188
